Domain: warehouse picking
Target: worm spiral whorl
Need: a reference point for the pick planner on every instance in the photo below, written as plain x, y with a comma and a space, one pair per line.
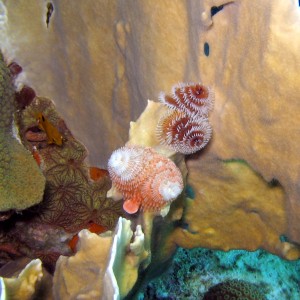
145, 178
185, 127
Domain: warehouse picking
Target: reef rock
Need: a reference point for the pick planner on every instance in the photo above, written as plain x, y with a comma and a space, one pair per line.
250, 59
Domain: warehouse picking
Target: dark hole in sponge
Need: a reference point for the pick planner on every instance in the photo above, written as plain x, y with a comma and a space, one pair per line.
206, 49
215, 9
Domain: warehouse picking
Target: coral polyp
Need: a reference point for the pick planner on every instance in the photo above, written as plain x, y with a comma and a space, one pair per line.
185, 127
151, 182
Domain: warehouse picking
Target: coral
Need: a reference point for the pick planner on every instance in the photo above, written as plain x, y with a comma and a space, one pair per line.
82, 275
145, 178
21, 181
104, 267
126, 258
23, 286
234, 289
256, 79
185, 128
261, 222
193, 272
250, 218
72, 199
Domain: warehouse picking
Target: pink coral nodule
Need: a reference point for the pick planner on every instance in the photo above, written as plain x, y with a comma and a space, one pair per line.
146, 179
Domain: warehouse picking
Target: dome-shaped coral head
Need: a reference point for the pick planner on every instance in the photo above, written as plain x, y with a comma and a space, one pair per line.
183, 133
146, 179
191, 98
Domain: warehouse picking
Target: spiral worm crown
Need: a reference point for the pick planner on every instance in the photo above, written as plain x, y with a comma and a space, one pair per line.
145, 178
185, 127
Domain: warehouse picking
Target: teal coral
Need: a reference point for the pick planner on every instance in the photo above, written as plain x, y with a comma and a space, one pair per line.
233, 290
21, 181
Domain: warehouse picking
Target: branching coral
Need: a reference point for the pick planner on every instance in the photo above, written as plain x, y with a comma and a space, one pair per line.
21, 181
145, 178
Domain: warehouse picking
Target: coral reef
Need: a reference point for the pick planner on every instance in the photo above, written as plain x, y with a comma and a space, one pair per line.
256, 109
72, 199
194, 272
145, 178
256, 101
75, 194
260, 221
21, 181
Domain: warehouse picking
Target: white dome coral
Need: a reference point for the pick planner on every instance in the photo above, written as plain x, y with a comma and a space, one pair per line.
145, 178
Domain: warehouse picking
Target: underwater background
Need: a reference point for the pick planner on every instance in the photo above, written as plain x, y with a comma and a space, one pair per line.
149, 149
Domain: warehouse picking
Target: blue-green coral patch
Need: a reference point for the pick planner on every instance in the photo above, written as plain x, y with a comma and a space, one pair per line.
194, 271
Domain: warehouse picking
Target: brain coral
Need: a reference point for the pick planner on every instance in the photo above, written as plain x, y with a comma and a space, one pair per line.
21, 181
234, 289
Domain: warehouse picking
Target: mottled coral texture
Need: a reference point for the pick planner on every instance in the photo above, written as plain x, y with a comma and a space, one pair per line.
234, 289
21, 182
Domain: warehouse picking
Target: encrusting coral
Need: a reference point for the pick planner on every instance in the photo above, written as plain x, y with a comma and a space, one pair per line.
145, 178
72, 198
21, 181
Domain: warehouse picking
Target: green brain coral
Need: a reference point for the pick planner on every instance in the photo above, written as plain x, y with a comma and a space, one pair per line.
21, 181
234, 290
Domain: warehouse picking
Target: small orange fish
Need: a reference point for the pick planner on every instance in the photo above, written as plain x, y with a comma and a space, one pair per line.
53, 135
93, 227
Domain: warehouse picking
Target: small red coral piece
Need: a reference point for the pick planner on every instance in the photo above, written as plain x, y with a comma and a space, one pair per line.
96, 173
25, 96
15, 69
